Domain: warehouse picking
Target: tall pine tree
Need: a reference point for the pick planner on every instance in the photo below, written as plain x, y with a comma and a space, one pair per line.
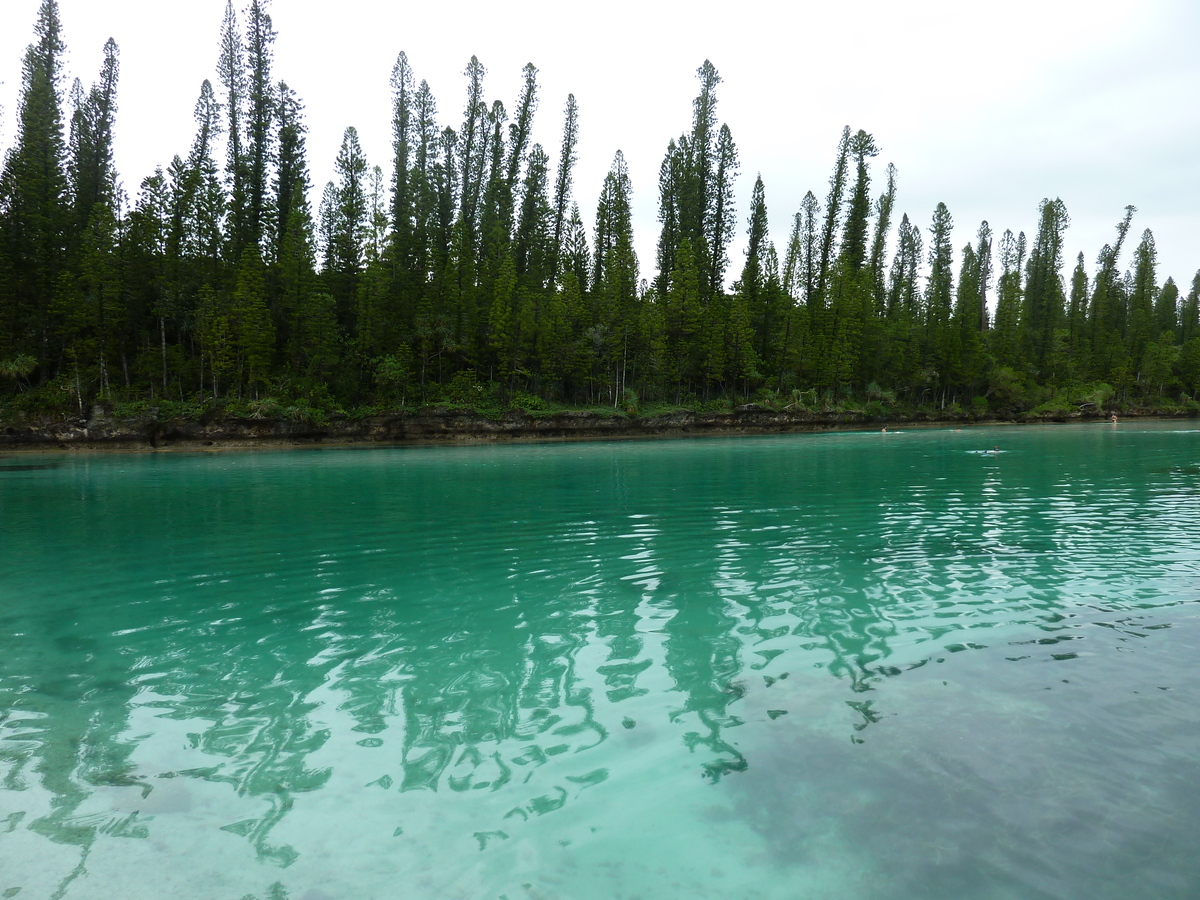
34, 206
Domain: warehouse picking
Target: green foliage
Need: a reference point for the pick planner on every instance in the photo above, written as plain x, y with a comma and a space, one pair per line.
393, 374
58, 397
465, 389
1005, 387
469, 279
1189, 366
16, 368
529, 403
1056, 407
1100, 394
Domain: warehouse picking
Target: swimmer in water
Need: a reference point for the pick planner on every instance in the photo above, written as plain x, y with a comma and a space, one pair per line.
1114, 418
883, 430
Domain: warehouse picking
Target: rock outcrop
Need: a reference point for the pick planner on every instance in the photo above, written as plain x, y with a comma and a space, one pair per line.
150, 431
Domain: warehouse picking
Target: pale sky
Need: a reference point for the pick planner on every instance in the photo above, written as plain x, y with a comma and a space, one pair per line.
987, 107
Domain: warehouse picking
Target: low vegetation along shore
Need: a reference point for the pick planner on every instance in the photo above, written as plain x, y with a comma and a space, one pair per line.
263, 424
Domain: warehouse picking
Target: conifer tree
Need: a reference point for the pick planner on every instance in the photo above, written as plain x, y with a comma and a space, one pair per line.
522, 126
152, 235
848, 317
33, 192
250, 322
261, 109
723, 218
466, 303
781, 308
496, 219
1189, 315
903, 293
532, 245
557, 337
472, 148
1107, 316
1043, 311
670, 178
291, 181
940, 284
698, 182
90, 168
743, 362
810, 244
680, 325
1141, 298
377, 216
231, 70
308, 344
615, 278
1077, 305
1189, 340
215, 335
567, 158
1009, 295
86, 311
614, 220
968, 317
696, 192
351, 211
833, 212
758, 302
199, 207
883, 223
504, 322
854, 240
578, 255
793, 260
426, 147
792, 288
446, 191
1189, 366
939, 292
374, 331
901, 350
1166, 310
315, 340
403, 134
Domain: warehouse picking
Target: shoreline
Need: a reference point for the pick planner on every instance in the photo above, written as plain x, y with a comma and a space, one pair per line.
439, 425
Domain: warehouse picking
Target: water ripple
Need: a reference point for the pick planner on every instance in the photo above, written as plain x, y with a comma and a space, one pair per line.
566, 662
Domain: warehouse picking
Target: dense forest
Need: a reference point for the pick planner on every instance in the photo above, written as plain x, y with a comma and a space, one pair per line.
464, 272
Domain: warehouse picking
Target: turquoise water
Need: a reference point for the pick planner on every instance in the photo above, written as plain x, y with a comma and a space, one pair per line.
851, 665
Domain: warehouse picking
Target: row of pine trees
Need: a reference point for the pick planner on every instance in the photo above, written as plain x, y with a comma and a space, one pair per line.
469, 263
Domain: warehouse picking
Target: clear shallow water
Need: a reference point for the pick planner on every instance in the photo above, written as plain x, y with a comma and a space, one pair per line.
841, 665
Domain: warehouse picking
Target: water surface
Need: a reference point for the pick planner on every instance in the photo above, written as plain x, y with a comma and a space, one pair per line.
903, 665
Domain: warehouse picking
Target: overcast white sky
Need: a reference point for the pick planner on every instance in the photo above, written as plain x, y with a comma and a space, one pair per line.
987, 107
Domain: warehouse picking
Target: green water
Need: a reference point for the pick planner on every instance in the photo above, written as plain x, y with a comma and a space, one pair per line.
853, 665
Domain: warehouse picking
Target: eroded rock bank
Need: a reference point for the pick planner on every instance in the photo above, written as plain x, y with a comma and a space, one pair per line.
149, 431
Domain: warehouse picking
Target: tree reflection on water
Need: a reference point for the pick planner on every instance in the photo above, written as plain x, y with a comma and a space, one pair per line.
847, 671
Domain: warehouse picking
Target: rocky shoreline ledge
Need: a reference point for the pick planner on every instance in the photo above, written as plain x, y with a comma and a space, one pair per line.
148, 432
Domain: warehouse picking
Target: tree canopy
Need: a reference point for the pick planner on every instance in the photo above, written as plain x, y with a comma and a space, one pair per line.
467, 265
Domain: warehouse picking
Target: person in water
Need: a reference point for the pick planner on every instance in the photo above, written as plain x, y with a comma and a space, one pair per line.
1114, 418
